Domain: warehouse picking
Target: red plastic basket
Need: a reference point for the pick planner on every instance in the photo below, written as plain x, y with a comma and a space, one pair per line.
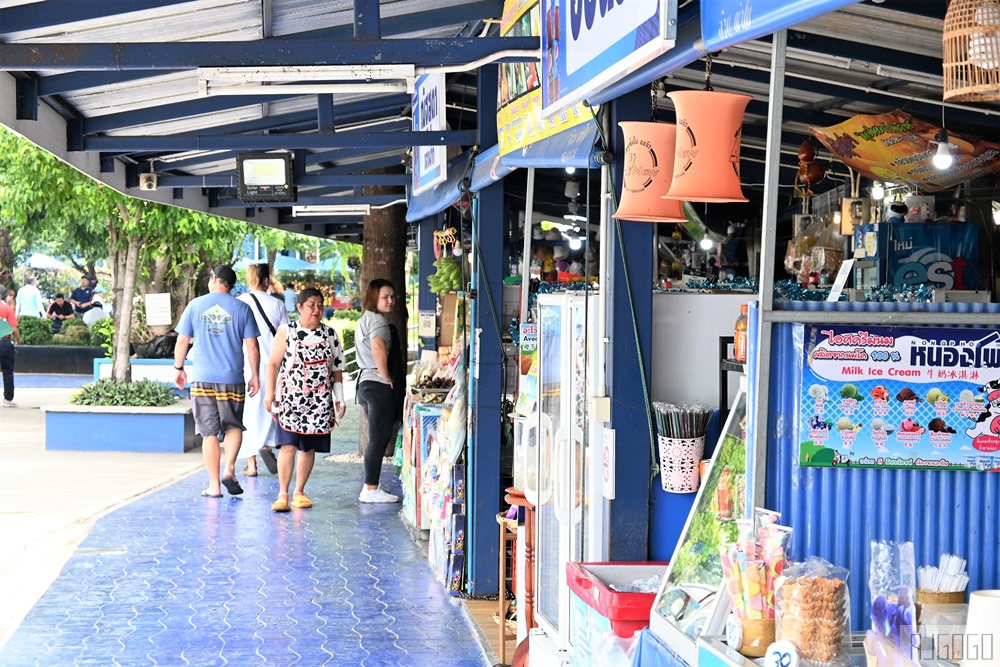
628, 612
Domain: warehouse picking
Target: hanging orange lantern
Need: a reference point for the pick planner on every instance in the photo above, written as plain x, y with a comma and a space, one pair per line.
649, 168
707, 159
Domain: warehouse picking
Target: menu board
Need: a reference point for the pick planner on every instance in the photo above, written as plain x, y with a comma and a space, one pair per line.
898, 397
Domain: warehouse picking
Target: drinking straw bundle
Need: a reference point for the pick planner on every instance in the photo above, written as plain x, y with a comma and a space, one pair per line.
948, 577
681, 421
753, 563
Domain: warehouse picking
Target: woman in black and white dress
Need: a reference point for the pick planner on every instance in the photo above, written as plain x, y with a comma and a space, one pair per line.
304, 390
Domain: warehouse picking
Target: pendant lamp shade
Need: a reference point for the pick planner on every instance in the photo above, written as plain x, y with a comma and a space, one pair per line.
707, 159
649, 167
972, 51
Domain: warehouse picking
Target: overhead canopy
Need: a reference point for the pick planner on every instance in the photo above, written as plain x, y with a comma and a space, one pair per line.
118, 110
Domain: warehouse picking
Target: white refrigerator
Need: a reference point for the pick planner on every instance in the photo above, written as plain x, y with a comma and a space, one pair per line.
564, 482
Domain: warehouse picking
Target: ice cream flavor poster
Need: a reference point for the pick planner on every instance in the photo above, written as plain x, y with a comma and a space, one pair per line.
900, 397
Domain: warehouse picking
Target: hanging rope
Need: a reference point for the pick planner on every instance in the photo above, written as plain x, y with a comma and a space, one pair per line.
708, 73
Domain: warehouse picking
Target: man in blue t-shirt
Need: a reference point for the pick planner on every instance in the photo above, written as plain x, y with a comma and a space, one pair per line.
221, 324
83, 296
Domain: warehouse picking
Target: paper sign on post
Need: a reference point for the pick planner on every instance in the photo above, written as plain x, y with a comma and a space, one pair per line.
158, 310
841, 280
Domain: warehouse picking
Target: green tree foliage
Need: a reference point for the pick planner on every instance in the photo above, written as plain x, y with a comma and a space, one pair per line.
44, 199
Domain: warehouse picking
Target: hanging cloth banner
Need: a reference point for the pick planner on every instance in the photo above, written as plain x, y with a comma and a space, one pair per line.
895, 147
730, 22
519, 103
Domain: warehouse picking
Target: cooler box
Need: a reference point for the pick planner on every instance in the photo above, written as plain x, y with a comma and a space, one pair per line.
597, 609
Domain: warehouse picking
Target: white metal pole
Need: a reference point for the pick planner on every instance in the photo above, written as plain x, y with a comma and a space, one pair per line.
768, 244
529, 211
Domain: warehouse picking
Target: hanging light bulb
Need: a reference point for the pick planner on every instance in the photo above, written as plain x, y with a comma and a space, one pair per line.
706, 243
943, 159
878, 192
575, 244
570, 170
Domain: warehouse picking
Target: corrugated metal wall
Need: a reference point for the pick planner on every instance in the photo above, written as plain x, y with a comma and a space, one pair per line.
836, 513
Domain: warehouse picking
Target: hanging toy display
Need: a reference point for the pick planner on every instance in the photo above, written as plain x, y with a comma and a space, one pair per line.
448, 277
810, 172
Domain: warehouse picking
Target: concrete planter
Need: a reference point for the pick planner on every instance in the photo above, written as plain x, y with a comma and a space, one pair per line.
120, 429
65, 359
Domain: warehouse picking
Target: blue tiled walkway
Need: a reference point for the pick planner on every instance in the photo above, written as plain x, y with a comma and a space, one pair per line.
177, 579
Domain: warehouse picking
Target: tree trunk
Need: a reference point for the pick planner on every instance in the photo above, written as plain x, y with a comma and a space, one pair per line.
124, 253
384, 252
272, 256
6, 251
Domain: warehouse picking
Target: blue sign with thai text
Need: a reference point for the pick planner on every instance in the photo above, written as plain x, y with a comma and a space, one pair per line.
589, 44
729, 22
900, 397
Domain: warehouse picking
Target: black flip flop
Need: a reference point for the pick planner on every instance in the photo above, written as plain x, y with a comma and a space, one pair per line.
232, 486
210, 495
270, 462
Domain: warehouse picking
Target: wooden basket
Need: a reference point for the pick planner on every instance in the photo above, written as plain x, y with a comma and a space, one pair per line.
971, 60
758, 634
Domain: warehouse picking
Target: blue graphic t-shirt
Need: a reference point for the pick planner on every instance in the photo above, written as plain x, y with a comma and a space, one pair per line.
218, 322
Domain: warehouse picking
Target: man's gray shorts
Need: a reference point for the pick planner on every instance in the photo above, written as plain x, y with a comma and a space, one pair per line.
217, 407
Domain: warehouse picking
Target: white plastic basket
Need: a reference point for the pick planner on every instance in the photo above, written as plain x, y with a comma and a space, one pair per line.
679, 462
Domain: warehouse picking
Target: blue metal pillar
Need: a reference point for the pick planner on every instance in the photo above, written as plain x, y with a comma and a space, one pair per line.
629, 300
483, 464
426, 299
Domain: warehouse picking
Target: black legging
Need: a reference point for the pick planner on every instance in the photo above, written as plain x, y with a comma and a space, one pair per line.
379, 403
7, 353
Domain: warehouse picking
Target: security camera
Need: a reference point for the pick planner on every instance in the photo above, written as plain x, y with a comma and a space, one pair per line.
147, 181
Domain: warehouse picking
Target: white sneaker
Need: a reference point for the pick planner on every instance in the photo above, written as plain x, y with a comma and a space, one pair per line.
377, 496
9, 404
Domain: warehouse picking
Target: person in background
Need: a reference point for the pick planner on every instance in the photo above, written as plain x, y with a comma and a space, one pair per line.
82, 297
59, 310
290, 298
304, 388
270, 315
95, 314
29, 299
222, 326
11, 298
8, 330
380, 383
328, 312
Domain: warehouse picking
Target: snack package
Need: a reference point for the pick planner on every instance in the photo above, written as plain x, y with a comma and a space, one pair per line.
813, 609
892, 581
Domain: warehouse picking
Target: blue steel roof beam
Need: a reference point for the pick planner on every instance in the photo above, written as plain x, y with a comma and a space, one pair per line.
61, 12
26, 107
379, 163
374, 200
377, 104
229, 180
266, 53
179, 143
863, 52
57, 84
324, 113
367, 19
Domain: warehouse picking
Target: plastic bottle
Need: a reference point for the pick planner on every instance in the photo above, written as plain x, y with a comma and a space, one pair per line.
740, 339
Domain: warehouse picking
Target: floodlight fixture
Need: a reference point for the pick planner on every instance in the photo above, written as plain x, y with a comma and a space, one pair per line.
265, 177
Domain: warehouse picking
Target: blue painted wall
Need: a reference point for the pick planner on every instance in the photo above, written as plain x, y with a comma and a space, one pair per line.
119, 432
837, 512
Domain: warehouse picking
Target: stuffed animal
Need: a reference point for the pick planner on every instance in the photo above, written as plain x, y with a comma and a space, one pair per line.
544, 254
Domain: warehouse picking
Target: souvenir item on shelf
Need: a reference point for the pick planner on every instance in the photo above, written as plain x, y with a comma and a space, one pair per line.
813, 611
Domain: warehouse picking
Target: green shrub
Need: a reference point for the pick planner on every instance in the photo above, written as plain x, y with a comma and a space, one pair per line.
107, 392
35, 330
346, 314
347, 340
73, 332
102, 333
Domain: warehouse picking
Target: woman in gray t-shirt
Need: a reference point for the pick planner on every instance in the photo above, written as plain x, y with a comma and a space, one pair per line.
381, 377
